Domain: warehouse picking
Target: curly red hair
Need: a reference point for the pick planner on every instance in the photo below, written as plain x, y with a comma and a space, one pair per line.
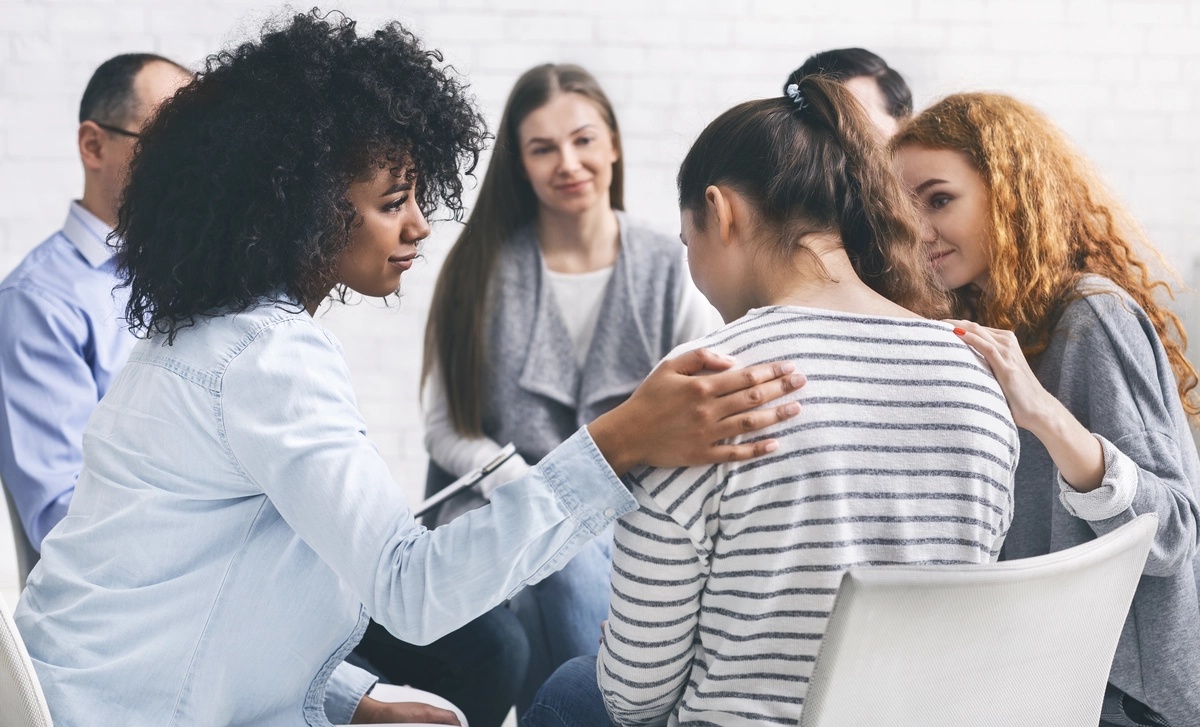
1052, 221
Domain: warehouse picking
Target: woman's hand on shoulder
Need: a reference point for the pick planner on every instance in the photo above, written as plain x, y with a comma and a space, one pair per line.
1028, 400
683, 411
1077, 454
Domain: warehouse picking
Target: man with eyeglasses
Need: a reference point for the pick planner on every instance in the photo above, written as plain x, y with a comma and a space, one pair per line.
63, 337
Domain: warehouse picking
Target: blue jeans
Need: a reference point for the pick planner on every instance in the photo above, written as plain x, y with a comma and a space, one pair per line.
563, 613
569, 698
480, 667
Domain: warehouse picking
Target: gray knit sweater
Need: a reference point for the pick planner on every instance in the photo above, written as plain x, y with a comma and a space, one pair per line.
1106, 363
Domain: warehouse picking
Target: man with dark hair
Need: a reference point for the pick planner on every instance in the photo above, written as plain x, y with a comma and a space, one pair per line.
879, 88
64, 338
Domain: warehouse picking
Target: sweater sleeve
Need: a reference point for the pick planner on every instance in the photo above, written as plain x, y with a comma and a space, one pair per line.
650, 637
456, 453
1116, 379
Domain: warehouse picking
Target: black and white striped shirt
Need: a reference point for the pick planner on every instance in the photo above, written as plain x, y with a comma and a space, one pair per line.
904, 452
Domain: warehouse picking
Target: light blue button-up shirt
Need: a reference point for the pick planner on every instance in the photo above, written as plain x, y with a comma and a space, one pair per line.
233, 528
62, 341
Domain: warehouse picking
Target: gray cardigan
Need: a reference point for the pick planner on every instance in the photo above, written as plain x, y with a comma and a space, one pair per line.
535, 392
1106, 363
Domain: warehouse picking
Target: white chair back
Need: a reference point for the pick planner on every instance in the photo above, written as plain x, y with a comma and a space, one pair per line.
1015, 643
22, 703
27, 557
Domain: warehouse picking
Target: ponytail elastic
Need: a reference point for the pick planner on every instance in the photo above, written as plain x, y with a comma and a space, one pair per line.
797, 96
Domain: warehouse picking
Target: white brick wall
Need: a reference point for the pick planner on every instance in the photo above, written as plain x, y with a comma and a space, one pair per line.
1121, 76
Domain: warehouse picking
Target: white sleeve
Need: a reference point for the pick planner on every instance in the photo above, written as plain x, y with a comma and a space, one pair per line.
455, 453
695, 316
651, 636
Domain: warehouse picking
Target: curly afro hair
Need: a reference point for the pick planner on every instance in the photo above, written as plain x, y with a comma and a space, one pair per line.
237, 191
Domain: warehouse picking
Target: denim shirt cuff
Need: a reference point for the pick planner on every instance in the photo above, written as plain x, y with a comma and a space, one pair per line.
585, 484
347, 686
1116, 490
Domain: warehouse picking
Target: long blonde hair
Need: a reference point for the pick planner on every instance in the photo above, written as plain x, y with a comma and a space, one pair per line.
1052, 221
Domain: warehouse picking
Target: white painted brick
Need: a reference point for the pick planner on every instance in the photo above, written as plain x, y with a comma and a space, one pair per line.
1088, 12
1186, 131
1173, 40
87, 17
24, 18
947, 10
1122, 127
34, 48
874, 11
611, 59
1143, 12
464, 26
967, 37
639, 31
515, 57
1117, 69
172, 18
986, 69
1027, 11
706, 32
1162, 70
562, 29
1037, 66
791, 11
773, 34
701, 8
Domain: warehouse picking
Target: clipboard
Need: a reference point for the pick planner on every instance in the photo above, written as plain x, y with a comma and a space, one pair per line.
467, 481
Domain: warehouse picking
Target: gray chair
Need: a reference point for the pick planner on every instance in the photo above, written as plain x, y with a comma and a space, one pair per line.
1024, 642
27, 557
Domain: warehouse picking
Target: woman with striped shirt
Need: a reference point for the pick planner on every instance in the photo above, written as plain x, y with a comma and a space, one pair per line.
904, 452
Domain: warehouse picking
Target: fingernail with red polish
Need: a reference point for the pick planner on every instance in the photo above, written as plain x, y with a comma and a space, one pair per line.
959, 331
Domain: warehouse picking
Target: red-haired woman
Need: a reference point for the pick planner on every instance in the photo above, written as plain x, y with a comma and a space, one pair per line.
1050, 273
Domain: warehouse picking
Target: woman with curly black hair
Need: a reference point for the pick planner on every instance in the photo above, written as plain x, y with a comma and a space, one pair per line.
233, 527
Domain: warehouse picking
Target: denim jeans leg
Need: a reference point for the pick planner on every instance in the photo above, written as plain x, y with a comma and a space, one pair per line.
569, 698
562, 614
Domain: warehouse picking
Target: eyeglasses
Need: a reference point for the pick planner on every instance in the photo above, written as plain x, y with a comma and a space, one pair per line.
116, 129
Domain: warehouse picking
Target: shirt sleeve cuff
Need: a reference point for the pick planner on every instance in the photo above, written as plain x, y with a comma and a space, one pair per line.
585, 484
347, 686
1113, 496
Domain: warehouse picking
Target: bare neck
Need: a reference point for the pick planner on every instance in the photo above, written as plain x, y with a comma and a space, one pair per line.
578, 243
824, 279
99, 202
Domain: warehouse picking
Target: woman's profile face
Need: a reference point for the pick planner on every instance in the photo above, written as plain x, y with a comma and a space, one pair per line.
568, 151
383, 242
954, 206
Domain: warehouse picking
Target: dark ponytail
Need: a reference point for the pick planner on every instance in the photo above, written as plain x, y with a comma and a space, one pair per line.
810, 163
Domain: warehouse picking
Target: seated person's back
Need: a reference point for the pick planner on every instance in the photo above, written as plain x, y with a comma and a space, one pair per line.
903, 453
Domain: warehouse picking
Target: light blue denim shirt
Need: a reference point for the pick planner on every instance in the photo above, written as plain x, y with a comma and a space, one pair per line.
62, 341
233, 528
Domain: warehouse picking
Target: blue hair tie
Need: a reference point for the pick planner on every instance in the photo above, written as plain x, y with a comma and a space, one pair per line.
797, 96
